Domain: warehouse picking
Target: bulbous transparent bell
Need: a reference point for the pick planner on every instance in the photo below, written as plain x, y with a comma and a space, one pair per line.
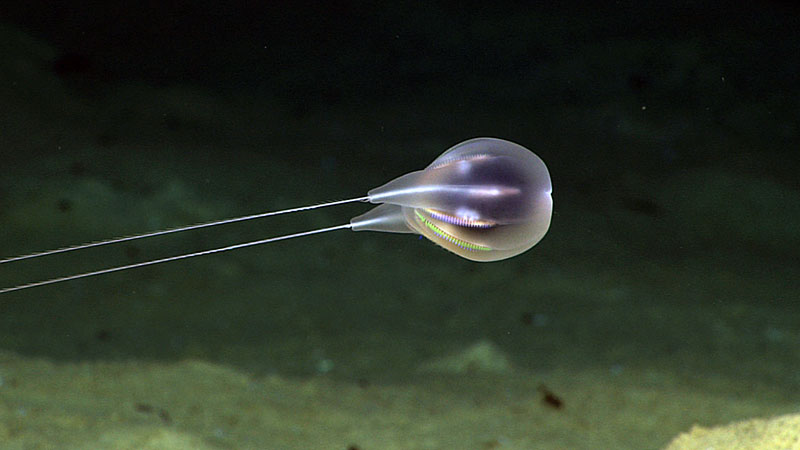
485, 199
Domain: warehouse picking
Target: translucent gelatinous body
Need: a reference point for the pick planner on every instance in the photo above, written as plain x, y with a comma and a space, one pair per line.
485, 199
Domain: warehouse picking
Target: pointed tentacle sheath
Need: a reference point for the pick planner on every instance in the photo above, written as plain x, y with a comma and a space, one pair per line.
484, 199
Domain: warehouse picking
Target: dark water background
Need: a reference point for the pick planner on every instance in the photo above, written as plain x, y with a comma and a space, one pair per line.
670, 130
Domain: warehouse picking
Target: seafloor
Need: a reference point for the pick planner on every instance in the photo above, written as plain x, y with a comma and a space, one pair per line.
666, 294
